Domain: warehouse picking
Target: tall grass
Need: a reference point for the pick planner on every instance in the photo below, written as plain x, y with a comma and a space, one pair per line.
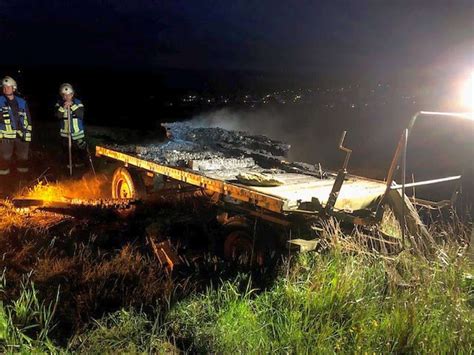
321, 303
352, 298
124, 331
25, 322
337, 301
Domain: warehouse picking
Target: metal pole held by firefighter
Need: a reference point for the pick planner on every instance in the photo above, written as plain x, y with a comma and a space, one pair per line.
69, 138
90, 161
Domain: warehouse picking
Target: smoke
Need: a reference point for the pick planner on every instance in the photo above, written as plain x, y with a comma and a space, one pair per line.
312, 140
222, 118
372, 133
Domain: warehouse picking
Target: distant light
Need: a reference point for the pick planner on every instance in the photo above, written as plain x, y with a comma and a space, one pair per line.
468, 99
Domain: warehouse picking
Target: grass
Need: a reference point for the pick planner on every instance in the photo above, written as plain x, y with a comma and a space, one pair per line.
124, 331
319, 304
25, 322
337, 302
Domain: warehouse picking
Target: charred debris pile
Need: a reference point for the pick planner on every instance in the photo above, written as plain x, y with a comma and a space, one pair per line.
212, 148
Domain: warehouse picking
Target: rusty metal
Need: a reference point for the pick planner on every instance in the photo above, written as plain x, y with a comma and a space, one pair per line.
341, 175
394, 163
262, 214
404, 174
433, 205
71, 204
344, 149
165, 253
390, 175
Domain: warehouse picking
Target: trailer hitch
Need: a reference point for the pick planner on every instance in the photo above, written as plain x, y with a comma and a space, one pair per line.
341, 175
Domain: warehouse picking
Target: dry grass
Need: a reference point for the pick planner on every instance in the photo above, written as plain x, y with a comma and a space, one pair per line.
96, 268
26, 219
89, 187
390, 225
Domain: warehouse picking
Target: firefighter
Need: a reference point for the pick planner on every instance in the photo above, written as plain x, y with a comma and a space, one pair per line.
15, 131
79, 145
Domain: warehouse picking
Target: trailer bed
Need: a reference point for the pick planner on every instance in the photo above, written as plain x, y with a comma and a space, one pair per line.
357, 193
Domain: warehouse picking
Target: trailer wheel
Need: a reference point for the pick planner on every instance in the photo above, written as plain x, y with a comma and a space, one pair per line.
127, 184
239, 247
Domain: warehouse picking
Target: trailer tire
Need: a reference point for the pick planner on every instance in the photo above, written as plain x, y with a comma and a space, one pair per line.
240, 247
127, 183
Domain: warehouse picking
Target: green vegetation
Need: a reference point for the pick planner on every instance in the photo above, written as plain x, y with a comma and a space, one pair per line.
349, 298
351, 303
25, 322
122, 332
330, 302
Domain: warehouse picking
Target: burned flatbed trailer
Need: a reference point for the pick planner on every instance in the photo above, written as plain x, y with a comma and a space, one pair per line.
299, 201
292, 208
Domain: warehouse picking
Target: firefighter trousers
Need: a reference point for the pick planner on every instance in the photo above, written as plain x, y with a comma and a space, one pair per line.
79, 154
13, 150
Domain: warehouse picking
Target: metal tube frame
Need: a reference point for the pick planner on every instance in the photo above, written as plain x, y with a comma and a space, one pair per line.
404, 141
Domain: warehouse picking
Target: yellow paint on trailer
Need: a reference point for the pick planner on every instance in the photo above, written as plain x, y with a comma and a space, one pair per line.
237, 192
356, 193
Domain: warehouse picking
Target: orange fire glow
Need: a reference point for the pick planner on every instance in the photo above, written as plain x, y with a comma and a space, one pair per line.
66, 191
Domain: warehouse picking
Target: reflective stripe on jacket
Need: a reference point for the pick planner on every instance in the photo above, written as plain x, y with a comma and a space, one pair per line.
10, 128
77, 119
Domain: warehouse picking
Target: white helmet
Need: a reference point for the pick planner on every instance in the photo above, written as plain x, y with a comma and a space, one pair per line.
66, 89
9, 81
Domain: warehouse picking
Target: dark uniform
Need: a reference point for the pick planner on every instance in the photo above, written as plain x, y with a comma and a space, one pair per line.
15, 135
79, 146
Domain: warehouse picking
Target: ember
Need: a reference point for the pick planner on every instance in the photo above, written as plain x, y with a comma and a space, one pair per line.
13, 218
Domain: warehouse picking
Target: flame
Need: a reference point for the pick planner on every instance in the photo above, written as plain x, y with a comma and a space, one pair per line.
65, 191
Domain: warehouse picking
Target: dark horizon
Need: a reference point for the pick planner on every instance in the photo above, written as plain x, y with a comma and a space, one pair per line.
129, 61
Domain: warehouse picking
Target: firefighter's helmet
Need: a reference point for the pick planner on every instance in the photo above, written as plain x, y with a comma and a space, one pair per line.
66, 89
9, 81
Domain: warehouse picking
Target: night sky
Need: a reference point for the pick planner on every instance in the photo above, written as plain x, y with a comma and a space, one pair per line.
332, 37
411, 54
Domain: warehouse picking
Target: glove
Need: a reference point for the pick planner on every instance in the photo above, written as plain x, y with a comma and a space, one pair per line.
81, 144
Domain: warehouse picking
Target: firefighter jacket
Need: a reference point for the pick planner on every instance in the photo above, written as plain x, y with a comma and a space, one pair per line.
77, 119
12, 126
